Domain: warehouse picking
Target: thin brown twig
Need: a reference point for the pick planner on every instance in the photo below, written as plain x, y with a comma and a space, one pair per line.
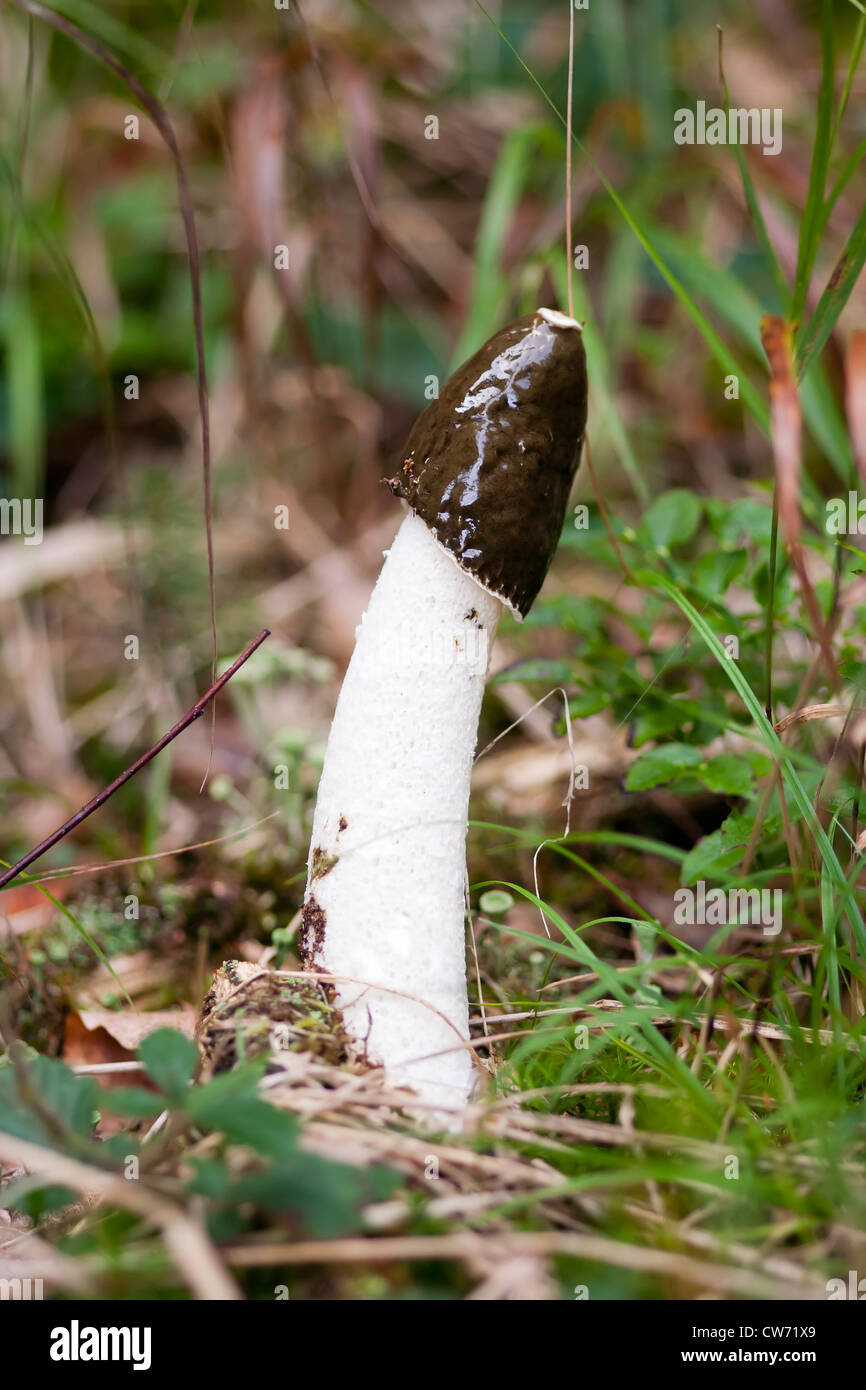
466, 1245
603, 510
159, 116
52, 875
198, 709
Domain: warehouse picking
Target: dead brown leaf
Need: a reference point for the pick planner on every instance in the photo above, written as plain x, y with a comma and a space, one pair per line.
785, 421
855, 397
96, 1035
787, 437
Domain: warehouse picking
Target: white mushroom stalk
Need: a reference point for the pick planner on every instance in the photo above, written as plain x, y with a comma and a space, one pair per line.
486, 473
388, 860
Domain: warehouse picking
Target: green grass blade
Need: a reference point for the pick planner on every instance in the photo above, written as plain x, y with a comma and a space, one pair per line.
53, 248
112, 31
773, 743
735, 304
625, 898
810, 227
492, 286
751, 398
829, 922
854, 63
596, 353
24, 395
753, 206
666, 1059
589, 837
811, 339
847, 172
82, 931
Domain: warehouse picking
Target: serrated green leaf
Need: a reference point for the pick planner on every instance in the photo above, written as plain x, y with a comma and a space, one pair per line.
212, 1178
671, 519
590, 702
709, 859
328, 1196
728, 773
664, 720
134, 1101
661, 765
714, 573
36, 1196
760, 763
171, 1059
540, 669
246, 1120
57, 1092
747, 518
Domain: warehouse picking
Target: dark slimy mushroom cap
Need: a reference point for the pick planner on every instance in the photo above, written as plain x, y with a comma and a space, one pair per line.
489, 464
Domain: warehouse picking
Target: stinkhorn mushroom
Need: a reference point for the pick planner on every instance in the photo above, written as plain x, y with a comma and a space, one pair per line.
486, 474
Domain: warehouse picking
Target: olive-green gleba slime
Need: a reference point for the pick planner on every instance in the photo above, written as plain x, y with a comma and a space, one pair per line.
486, 475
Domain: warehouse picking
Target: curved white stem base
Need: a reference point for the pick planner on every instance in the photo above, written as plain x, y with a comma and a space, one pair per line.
385, 894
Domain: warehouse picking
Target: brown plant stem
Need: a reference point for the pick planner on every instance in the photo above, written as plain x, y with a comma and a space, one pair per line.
198, 709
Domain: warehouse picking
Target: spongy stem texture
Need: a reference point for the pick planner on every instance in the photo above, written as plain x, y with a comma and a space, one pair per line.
385, 902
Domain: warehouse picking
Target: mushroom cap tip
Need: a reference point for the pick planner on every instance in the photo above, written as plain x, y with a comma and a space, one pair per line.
489, 464
560, 320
